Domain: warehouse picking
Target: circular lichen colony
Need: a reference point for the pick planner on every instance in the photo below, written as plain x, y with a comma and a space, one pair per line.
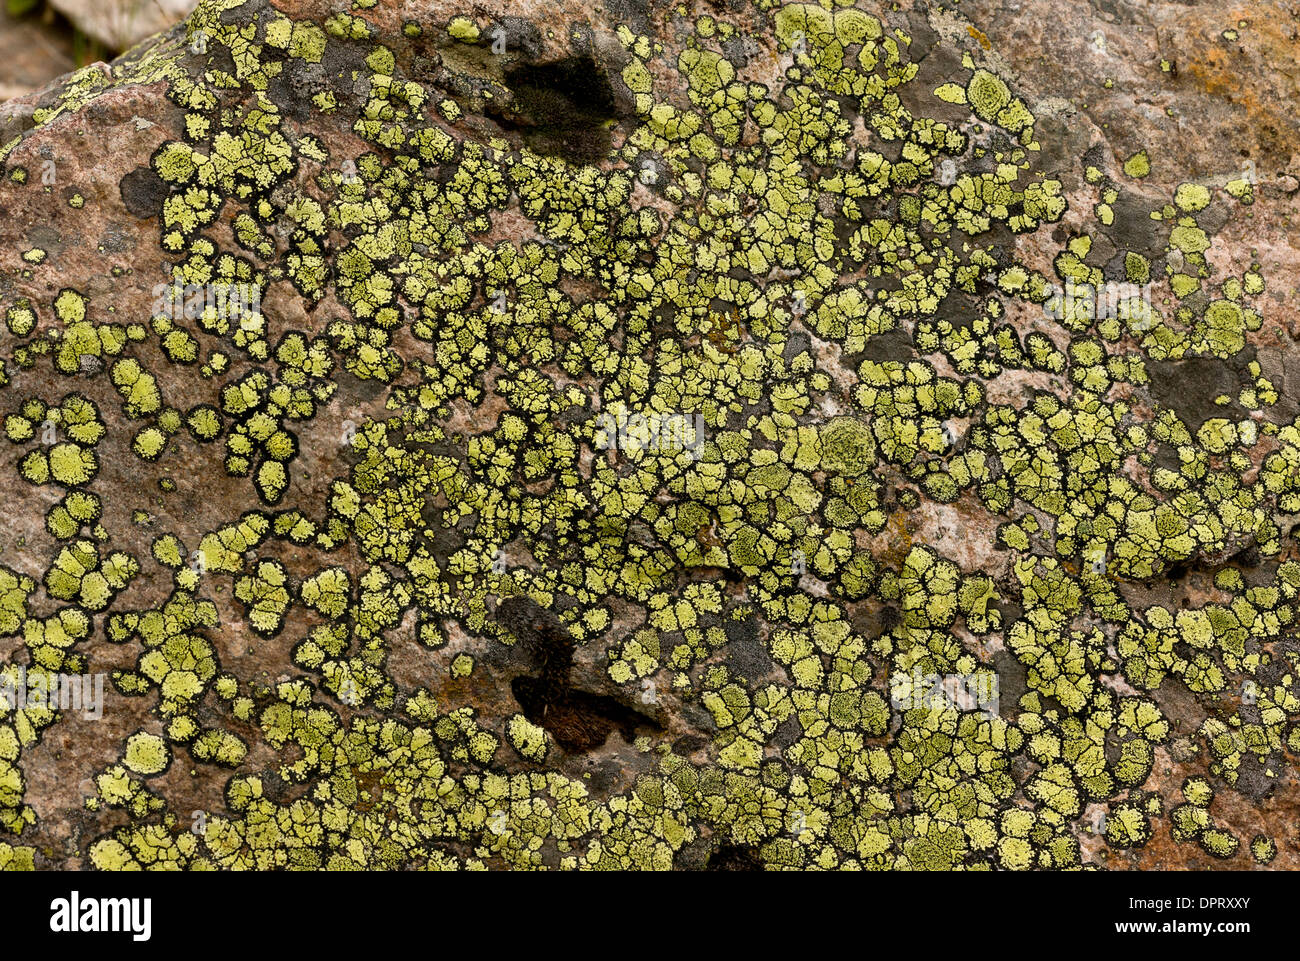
636, 444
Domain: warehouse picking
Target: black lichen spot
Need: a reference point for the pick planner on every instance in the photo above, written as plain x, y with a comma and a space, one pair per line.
295, 87
143, 192
521, 36
1189, 387
1012, 682
634, 13
746, 653
890, 347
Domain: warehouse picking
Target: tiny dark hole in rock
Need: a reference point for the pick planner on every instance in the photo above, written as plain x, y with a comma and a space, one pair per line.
562, 108
578, 720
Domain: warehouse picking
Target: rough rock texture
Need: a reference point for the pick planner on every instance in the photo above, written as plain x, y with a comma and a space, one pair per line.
631, 435
120, 24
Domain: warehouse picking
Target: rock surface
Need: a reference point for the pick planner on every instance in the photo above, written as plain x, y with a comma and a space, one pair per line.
630, 435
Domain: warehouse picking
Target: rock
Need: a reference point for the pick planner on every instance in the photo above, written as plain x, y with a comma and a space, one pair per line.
766, 436
121, 24
30, 56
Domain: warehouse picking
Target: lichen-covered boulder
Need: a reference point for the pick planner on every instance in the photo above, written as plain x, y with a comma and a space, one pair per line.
634, 435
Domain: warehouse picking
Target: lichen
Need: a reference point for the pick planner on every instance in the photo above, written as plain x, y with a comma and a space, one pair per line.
697, 406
